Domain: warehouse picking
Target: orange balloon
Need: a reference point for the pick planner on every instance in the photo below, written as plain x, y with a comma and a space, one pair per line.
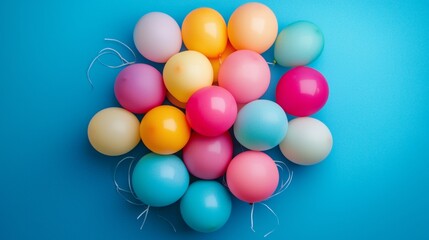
204, 30
216, 62
164, 130
252, 26
175, 102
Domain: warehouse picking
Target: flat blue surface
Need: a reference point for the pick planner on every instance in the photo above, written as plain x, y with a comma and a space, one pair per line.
374, 185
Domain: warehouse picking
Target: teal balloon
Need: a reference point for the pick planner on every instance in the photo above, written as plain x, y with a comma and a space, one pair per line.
298, 44
160, 180
260, 125
206, 206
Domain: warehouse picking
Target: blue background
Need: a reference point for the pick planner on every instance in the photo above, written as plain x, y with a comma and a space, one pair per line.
374, 184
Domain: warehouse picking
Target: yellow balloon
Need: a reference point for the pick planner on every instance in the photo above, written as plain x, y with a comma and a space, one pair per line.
252, 26
216, 62
114, 131
185, 73
204, 30
164, 130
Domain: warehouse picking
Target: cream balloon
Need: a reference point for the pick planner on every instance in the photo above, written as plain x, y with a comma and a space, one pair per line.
307, 142
114, 131
187, 72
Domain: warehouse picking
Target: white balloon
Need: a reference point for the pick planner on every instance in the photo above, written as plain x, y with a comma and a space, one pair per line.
307, 142
157, 36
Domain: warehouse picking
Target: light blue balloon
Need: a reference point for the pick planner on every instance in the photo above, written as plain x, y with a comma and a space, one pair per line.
206, 206
260, 125
298, 44
160, 180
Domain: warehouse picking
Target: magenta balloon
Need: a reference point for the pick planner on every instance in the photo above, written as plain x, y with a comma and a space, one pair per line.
139, 88
208, 157
252, 176
302, 91
245, 74
211, 111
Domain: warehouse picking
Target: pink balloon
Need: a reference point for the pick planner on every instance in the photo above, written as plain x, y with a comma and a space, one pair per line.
302, 91
208, 157
211, 111
139, 88
245, 74
157, 36
252, 176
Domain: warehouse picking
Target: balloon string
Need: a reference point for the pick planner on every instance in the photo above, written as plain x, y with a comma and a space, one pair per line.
144, 213
169, 222
272, 63
284, 184
122, 191
252, 213
108, 50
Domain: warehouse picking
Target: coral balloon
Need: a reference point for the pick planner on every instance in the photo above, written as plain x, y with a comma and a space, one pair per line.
164, 130
139, 88
252, 26
245, 74
208, 157
298, 44
216, 62
252, 176
185, 73
206, 206
159, 180
260, 125
211, 111
307, 142
157, 37
114, 131
204, 30
302, 91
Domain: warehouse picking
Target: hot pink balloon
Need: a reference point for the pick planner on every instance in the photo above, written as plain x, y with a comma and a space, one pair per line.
208, 157
302, 91
211, 111
139, 88
245, 74
252, 176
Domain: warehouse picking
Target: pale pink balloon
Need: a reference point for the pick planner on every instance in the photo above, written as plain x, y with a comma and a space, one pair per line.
157, 36
208, 157
252, 176
245, 74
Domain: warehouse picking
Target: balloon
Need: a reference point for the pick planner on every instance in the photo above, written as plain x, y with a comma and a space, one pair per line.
208, 157
252, 26
252, 176
302, 91
164, 130
206, 206
185, 73
308, 141
298, 44
175, 102
113, 131
159, 180
260, 125
157, 37
211, 111
139, 88
245, 74
217, 61
204, 30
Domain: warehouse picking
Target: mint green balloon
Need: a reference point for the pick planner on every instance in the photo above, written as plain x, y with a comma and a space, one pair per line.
206, 206
298, 44
160, 180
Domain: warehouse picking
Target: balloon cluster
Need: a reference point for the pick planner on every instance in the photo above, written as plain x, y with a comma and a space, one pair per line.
218, 81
